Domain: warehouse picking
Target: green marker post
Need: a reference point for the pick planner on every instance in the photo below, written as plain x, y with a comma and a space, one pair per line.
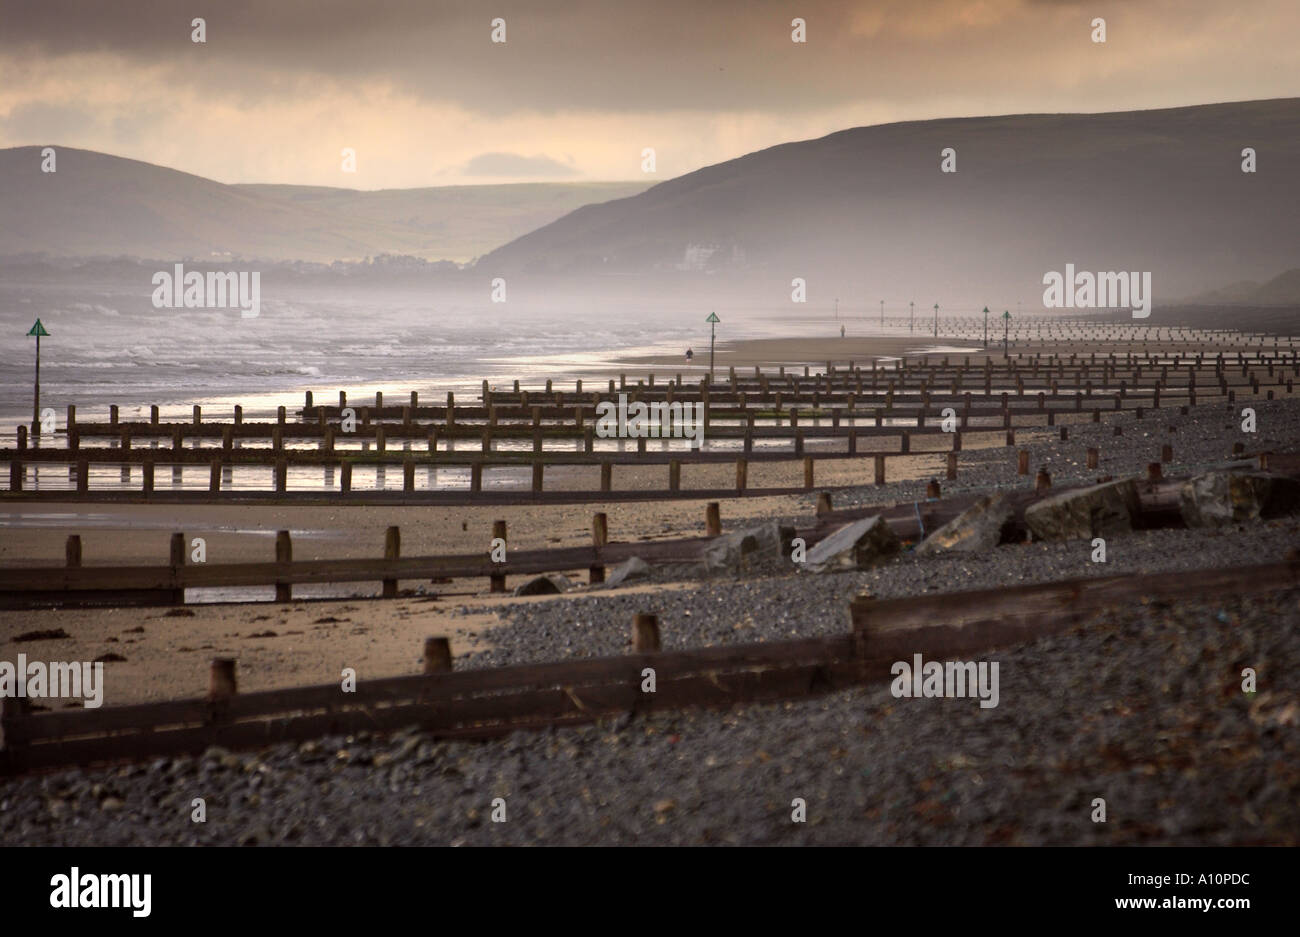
38, 330
713, 321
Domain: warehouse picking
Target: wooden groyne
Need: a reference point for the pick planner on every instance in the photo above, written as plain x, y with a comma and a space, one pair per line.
491, 702
76, 583
925, 406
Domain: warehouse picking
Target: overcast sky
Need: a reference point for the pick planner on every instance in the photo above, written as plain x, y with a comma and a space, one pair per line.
580, 87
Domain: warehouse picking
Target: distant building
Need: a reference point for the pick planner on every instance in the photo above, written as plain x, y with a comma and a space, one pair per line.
697, 256
706, 257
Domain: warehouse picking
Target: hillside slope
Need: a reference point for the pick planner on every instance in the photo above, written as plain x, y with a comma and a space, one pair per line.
101, 205
1158, 190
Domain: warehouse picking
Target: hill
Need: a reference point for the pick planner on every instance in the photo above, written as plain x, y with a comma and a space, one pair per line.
1282, 290
99, 205
868, 209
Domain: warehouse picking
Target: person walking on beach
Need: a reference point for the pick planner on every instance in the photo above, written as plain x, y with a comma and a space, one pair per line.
841, 331
689, 354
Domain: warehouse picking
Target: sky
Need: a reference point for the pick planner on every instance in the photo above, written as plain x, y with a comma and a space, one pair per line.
580, 88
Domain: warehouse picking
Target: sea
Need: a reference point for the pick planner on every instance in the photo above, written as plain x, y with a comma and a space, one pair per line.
107, 344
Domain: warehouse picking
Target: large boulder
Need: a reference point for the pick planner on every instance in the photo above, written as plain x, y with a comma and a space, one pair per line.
548, 584
734, 553
1216, 499
979, 527
860, 545
628, 571
1098, 511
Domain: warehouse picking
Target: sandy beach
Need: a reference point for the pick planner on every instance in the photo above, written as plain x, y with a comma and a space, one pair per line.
771, 353
314, 636
167, 651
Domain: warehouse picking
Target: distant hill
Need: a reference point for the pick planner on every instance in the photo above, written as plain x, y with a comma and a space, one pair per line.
101, 205
1282, 290
458, 222
868, 209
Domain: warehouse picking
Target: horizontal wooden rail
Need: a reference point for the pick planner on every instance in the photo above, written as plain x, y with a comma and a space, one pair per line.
442, 688
965, 621
76, 583
448, 704
419, 497
485, 703
220, 489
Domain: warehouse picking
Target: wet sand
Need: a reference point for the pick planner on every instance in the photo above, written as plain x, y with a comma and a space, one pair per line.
770, 353
167, 651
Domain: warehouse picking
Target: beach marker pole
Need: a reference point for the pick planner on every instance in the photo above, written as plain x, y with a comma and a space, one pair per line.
38, 330
713, 321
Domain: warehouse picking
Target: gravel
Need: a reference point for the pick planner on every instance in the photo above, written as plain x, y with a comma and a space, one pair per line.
771, 608
1201, 440
1142, 708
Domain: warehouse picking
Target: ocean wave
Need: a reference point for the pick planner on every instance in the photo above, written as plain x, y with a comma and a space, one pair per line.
93, 307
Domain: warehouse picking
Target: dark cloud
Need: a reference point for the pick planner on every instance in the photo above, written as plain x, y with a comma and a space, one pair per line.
502, 165
283, 84
569, 54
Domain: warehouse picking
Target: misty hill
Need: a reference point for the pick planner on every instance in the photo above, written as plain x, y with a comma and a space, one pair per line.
1282, 290
868, 212
455, 222
101, 205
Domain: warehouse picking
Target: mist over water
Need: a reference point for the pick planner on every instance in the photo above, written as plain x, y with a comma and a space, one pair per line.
108, 345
